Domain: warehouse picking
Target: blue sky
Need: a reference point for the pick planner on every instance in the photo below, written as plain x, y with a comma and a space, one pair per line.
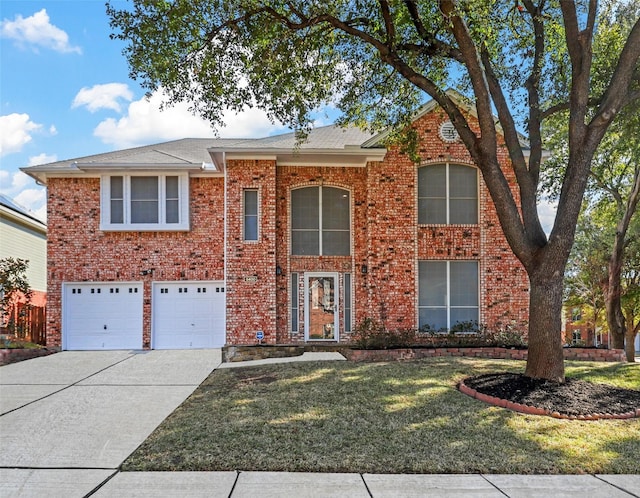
65, 93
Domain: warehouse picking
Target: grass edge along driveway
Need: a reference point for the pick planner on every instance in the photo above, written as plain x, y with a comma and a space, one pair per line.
404, 417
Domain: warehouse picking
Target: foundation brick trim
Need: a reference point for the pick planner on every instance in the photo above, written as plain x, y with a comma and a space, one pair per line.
581, 354
8, 356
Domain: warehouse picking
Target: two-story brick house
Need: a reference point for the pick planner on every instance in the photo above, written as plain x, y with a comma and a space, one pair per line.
205, 242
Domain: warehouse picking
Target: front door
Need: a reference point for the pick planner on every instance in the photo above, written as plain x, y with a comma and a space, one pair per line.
321, 307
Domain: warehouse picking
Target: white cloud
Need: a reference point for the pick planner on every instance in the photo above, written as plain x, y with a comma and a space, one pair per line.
23, 190
42, 159
37, 31
53, 130
145, 123
103, 97
4, 177
15, 132
35, 200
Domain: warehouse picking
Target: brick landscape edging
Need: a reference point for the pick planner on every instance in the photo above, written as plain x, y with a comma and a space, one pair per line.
581, 354
8, 356
533, 410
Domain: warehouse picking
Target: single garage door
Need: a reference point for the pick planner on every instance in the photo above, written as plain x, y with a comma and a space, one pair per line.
99, 315
188, 315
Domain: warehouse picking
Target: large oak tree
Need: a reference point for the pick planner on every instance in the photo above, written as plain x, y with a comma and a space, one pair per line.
613, 190
378, 61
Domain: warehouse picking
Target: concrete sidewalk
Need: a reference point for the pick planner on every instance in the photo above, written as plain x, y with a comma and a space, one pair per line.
67, 422
109, 483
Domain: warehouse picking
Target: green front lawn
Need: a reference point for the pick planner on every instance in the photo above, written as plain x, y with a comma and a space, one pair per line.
382, 418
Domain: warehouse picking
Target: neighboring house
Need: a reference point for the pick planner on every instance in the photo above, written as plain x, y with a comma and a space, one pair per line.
579, 331
198, 243
24, 236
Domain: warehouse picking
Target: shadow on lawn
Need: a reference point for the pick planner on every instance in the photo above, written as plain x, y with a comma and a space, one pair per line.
343, 417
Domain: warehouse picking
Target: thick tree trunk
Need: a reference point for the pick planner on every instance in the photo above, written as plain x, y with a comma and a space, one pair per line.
629, 345
546, 360
615, 317
613, 304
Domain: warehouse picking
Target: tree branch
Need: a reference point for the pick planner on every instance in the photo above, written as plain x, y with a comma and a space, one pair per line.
417, 21
510, 216
617, 93
388, 23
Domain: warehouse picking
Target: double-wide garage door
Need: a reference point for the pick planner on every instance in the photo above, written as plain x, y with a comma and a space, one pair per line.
99, 315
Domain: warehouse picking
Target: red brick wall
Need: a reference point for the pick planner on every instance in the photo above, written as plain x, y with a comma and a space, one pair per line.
386, 238
251, 266
349, 178
79, 251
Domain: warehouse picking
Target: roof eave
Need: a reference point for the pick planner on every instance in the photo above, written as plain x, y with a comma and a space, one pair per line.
348, 156
26, 220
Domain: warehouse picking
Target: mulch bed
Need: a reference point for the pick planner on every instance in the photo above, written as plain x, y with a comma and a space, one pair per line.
574, 398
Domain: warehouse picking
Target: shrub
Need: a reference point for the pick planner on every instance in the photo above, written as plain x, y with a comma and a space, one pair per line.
372, 334
508, 336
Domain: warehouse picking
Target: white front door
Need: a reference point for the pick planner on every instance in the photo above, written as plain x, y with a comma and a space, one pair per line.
321, 307
102, 315
188, 315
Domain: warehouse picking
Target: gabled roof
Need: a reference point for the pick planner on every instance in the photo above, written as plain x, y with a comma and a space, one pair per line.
324, 146
209, 154
462, 102
179, 152
11, 209
324, 137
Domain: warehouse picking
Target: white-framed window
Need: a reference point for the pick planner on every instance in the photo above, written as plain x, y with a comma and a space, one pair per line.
144, 202
320, 221
576, 314
577, 336
250, 215
447, 194
448, 294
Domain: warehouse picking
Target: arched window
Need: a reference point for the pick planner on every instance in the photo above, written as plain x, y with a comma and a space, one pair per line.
320, 221
447, 195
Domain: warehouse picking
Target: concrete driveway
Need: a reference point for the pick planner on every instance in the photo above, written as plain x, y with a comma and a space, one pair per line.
68, 420
89, 409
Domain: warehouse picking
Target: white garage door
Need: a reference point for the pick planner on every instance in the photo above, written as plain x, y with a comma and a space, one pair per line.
188, 315
99, 315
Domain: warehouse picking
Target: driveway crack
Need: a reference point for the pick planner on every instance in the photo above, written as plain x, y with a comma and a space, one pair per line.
64, 388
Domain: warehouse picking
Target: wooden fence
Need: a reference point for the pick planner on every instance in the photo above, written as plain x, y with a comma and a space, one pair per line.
27, 322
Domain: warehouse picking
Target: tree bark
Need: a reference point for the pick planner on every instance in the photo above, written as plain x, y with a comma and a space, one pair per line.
546, 358
615, 316
613, 303
629, 346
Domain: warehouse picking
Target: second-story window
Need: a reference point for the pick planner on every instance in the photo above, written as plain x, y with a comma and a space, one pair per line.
447, 195
250, 214
320, 221
145, 202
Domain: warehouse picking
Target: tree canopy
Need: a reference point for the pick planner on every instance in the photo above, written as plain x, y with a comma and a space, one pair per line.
377, 61
614, 185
